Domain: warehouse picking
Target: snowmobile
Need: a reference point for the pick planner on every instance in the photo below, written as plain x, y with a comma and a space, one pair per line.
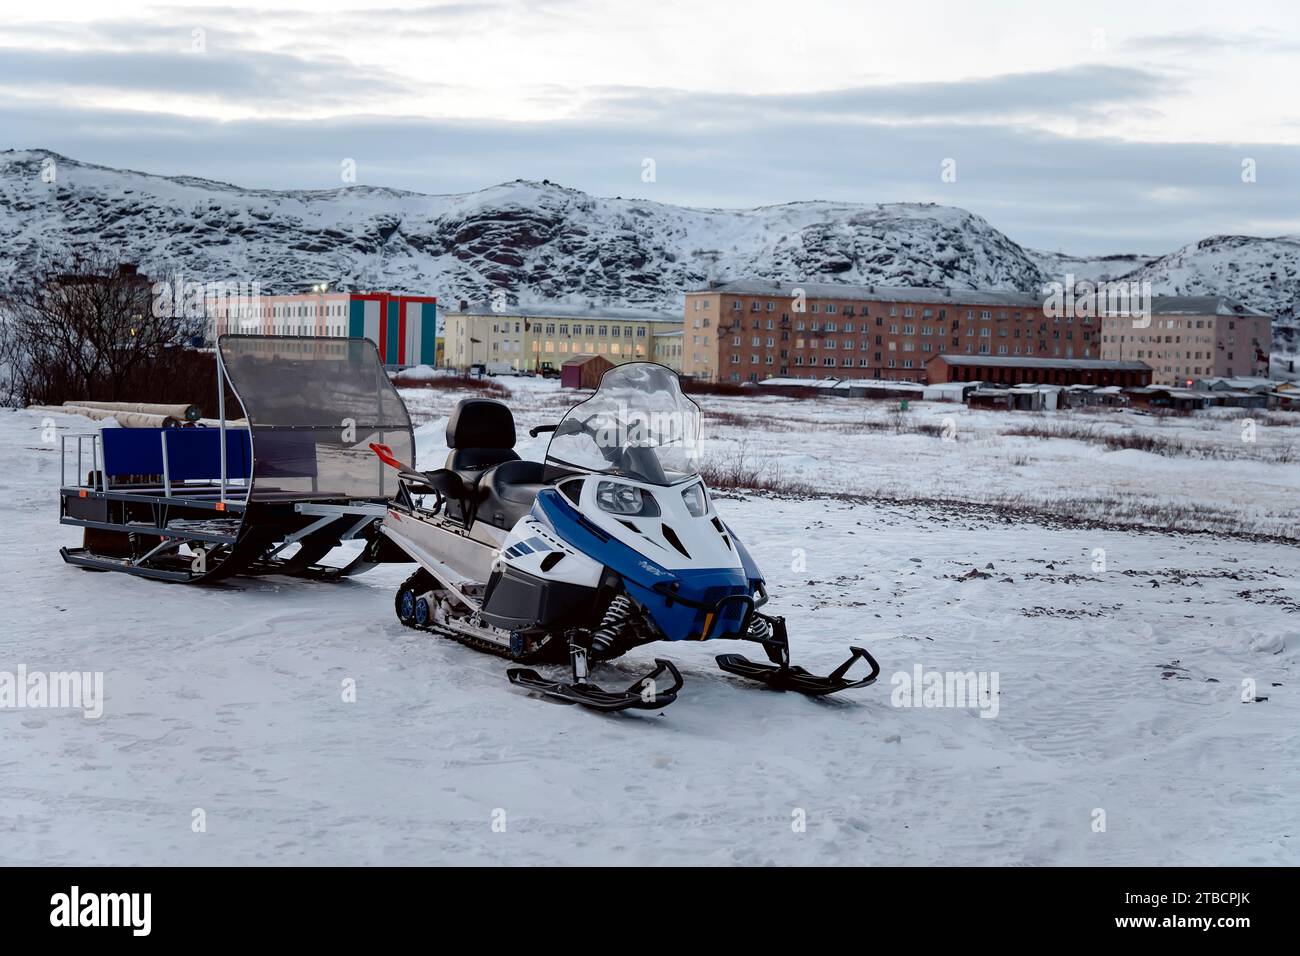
610, 543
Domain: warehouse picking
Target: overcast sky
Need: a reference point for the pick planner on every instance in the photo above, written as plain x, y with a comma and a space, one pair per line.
1088, 127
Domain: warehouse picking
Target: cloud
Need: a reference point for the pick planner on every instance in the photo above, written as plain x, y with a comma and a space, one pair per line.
1088, 88
1194, 43
232, 75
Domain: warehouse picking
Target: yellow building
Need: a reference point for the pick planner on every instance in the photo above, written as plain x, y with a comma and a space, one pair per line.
668, 349
533, 338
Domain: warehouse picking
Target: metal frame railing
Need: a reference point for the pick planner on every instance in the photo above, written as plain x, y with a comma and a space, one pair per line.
98, 480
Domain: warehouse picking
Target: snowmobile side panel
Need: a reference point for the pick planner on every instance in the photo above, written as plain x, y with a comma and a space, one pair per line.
465, 553
519, 601
746, 560
533, 548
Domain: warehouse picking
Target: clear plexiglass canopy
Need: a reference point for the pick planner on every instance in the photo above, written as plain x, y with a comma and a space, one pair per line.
637, 425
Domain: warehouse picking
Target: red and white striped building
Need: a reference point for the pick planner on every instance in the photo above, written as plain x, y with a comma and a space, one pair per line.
403, 327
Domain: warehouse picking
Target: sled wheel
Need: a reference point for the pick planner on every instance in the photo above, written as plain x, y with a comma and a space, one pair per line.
406, 606
422, 612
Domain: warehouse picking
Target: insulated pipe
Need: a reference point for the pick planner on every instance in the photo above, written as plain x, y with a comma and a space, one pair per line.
125, 419
189, 413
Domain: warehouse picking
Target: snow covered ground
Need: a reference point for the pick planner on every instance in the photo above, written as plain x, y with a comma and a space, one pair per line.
1119, 689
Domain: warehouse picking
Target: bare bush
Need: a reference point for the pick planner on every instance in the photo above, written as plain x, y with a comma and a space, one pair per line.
455, 383
86, 327
736, 472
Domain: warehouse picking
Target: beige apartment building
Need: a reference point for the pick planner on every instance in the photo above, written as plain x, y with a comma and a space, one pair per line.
1192, 337
532, 338
668, 349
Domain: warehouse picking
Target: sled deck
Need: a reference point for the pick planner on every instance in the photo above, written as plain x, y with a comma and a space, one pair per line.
271, 492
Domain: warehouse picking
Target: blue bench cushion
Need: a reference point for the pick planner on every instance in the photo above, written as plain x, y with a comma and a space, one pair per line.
192, 453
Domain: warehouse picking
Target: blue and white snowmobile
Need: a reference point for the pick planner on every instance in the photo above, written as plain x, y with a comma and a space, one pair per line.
611, 543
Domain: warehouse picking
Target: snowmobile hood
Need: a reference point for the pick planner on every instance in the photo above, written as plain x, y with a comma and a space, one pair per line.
668, 594
593, 541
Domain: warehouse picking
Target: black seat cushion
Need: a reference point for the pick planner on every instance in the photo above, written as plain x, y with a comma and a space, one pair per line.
470, 463
480, 423
507, 491
480, 434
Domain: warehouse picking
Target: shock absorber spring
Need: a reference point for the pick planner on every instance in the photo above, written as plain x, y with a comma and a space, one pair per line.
607, 637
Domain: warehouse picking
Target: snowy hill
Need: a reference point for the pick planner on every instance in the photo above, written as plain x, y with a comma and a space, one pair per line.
1264, 273
1056, 265
540, 241
544, 242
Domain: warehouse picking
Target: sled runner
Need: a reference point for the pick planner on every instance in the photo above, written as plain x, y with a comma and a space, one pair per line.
611, 543
271, 493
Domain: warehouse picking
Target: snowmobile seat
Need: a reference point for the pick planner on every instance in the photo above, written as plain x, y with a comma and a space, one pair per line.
480, 434
507, 491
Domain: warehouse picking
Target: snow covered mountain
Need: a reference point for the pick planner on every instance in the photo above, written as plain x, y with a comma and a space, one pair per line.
539, 241
543, 242
1264, 273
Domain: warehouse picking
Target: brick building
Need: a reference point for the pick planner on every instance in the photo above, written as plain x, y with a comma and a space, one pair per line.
1192, 337
1003, 370
750, 330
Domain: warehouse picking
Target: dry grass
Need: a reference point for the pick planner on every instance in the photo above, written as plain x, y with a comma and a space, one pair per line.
736, 472
1155, 444
456, 383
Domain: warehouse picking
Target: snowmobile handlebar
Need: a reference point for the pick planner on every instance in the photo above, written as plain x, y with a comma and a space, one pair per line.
538, 429
386, 456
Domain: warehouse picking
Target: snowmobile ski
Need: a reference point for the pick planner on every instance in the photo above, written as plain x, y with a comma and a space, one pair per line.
644, 694
770, 632
796, 678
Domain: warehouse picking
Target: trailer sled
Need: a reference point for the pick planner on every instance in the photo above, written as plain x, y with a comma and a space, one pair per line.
273, 491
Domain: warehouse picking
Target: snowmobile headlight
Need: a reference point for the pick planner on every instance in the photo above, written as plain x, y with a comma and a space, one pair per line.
620, 499
696, 502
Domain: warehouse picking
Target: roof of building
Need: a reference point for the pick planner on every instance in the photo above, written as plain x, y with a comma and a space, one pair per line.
877, 293
1243, 382
667, 334
1160, 304
1011, 361
841, 383
1200, 305
544, 310
1170, 390
584, 359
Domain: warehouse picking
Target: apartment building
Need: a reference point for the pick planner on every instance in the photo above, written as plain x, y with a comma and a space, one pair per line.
750, 330
1192, 337
530, 338
668, 349
404, 328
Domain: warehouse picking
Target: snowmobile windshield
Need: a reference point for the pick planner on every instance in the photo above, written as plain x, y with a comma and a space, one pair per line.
637, 425
314, 405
